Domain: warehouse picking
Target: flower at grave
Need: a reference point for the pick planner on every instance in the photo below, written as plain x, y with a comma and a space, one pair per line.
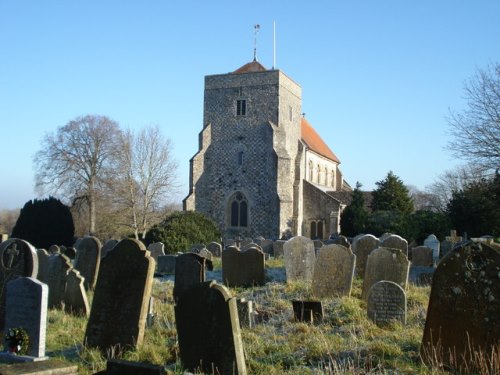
17, 340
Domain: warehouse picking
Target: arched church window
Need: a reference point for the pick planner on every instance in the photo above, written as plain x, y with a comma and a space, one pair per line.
238, 210
319, 174
333, 178
311, 171
317, 229
313, 229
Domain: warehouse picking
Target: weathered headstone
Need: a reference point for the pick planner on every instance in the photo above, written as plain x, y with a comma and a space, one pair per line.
166, 265
215, 248
432, 242
59, 267
243, 268
278, 248
43, 265
208, 330
189, 271
17, 259
205, 253
333, 272
362, 246
464, 308
300, 258
307, 311
121, 297
27, 309
75, 297
156, 249
422, 256
386, 303
385, 264
395, 242
88, 259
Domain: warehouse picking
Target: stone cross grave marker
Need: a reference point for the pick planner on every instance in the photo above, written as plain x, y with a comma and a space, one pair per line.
27, 308
362, 246
386, 303
300, 258
189, 271
243, 268
208, 330
385, 264
464, 307
395, 242
432, 242
121, 297
88, 259
17, 259
333, 272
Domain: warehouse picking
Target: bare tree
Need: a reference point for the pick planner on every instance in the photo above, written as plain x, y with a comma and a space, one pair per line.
476, 130
148, 174
75, 161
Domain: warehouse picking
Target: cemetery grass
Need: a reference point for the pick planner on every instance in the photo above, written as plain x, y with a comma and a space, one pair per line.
345, 342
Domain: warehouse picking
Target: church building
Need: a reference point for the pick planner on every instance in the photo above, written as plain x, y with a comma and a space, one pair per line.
261, 168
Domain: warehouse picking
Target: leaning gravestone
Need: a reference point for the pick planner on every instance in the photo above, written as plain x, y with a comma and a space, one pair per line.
243, 268
75, 297
121, 297
333, 272
464, 308
18, 259
422, 256
395, 242
300, 257
88, 258
385, 264
189, 271
362, 246
43, 265
59, 267
432, 242
27, 308
386, 303
208, 330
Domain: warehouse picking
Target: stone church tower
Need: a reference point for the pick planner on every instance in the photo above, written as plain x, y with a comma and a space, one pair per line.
261, 169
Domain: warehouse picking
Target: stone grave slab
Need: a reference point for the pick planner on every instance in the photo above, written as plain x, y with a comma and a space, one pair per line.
333, 272
208, 330
121, 297
243, 268
386, 303
88, 259
300, 258
48, 367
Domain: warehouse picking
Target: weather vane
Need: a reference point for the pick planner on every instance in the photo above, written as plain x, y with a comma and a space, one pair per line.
256, 30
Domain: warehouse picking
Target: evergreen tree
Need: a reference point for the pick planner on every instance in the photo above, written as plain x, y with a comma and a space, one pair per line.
181, 229
354, 217
45, 222
392, 195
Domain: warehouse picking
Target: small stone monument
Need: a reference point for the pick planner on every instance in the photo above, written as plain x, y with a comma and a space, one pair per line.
386, 303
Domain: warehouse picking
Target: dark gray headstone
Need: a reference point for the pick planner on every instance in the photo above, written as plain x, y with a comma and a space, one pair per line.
59, 267
121, 367
386, 303
121, 297
27, 309
208, 329
166, 265
215, 248
243, 268
43, 265
464, 308
189, 271
88, 258
421, 256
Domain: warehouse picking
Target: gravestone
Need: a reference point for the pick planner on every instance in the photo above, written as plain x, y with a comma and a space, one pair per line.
422, 257
215, 248
27, 308
265, 245
197, 247
70, 252
205, 253
278, 248
43, 265
464, 307
75, 297
121, 297
339, 240
88, 259
189, 271
208, 330
243, 268
395, 242
156, 249
166, 265
251, 245
245, 242
54, 249
229, 242
385, 264
59, 267
300, 258
386, 303
432, 242
333, 272
362, 246
307, 311
107, 246
17, 259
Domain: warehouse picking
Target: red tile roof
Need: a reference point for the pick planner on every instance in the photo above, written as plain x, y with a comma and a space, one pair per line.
250, 67
312, 140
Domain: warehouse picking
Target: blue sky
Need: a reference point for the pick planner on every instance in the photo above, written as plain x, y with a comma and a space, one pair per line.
378, 77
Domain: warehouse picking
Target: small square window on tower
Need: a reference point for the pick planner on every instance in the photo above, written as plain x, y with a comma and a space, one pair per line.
241, 107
